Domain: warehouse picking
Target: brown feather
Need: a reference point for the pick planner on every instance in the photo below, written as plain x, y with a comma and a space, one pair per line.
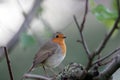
45, 51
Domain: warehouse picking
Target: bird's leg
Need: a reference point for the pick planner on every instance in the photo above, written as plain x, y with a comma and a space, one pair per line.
45, 71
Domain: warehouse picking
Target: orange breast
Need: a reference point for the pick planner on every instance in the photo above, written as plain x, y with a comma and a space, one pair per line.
62, 45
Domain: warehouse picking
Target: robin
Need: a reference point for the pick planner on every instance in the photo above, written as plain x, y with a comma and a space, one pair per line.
51, 54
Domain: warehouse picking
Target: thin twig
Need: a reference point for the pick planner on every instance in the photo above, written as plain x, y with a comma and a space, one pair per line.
80, 28
76, 22
105, 63
8, 63
82, 38
118, 5
99, 56
37, 77
105, 40
84, 17
102, 59
110, 69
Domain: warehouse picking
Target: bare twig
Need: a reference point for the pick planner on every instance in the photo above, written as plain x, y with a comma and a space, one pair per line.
105, 63
99, 56
80, 28
118, 5
8, 63
82, 38
108, 71
85, 15
76, 22
37, 77
102, 59
105, 40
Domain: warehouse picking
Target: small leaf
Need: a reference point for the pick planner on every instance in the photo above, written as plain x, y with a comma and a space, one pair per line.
27, 40
103, 13
106, 16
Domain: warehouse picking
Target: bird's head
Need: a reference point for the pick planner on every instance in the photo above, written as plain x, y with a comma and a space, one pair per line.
58, 37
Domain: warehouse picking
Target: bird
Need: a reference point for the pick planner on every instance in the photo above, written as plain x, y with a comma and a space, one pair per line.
51, 54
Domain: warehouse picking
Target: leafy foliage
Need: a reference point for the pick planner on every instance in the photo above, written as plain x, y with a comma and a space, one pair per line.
27, 40
105, 15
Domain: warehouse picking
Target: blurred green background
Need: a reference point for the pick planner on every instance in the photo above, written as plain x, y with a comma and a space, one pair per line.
94, 32
21, 57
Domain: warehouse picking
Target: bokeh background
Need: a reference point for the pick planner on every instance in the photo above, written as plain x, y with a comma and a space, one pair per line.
51, 16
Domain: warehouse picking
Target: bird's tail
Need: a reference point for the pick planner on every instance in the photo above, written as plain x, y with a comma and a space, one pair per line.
30, 69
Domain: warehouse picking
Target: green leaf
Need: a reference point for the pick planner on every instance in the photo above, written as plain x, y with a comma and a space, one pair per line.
106, 16
102, 13
27, 40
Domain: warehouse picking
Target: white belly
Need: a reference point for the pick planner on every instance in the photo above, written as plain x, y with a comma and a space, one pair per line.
54, 60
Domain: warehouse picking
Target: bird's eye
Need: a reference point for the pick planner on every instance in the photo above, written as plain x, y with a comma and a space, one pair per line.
57, 36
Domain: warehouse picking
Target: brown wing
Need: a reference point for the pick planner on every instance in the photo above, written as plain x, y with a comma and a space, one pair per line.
45, 51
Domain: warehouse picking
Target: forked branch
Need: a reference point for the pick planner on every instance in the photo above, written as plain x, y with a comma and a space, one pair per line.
106, 57
82, 38
84, 17
81, 27
110, 69
108, 36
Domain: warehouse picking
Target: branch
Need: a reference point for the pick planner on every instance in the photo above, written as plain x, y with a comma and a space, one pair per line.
81, 34
118, 5
37, 77
105, 40
82, 37
8, 63
110, 69
76, 22
85, 15
80, 28
28, 18
102, 59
